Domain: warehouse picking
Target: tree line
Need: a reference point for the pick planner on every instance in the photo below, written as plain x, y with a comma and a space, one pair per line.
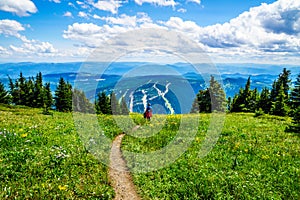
280, 100
33, 93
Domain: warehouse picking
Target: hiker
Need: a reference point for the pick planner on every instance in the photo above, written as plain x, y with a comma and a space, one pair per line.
148, 112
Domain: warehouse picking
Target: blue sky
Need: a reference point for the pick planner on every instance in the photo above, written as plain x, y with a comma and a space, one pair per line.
231, 31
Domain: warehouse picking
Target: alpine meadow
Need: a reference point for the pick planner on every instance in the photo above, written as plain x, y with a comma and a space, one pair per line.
149, 100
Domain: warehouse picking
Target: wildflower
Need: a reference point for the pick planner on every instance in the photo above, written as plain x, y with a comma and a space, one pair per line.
62, 188
24, 135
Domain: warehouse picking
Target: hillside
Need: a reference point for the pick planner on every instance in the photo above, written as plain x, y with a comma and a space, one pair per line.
43, 157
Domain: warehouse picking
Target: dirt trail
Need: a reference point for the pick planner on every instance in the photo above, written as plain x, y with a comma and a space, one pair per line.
119, 174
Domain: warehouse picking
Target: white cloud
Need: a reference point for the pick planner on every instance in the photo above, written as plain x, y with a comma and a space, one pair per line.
195, 1
96, 16
157, 2
107, 5
68, 14
269, 31
56, 1
19, 7
182, 10
11, 28
82, 14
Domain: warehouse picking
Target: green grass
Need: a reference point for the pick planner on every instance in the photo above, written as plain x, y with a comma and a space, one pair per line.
42, 157
253, 159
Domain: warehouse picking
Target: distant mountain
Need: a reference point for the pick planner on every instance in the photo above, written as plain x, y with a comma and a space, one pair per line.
170, 88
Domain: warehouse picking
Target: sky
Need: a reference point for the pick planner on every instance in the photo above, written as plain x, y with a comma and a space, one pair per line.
228, 31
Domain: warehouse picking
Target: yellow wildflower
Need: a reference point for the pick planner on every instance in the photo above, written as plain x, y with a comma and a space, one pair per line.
64, 187
24, 135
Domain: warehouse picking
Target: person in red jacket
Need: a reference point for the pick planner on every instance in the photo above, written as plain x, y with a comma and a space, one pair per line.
148, 112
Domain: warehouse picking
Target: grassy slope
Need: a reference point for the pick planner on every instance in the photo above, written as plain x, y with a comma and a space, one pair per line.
254, 158
42, 157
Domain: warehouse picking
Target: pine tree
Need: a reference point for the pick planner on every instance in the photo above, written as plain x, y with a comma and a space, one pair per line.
48, 99
4, 95
63, 96
81, 103
217, 96
295, 94
39, 91
102, 104
124, 108
195, 106
280, 106
115, 106
295, 105
204, 101
264, 100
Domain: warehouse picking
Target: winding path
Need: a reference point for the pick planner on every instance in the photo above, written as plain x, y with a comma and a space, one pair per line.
119, 174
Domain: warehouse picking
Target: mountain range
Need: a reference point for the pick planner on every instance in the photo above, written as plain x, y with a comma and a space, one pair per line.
170, 88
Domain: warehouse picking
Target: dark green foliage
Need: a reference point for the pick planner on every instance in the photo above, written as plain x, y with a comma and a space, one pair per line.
102, 104
246, 100
217, 95
81, 103
195, 106
280, 106
124, 108
63, 96
204, 101
4, 96
115, 106
264, 100
295, 94
295, 105
211, 99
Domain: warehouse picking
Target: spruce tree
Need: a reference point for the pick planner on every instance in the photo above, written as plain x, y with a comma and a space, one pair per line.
81, 103
204, 101
124, 108
295, 94
195, 106
217, 95
63, 96
102, 104
39, 91
4, 95
280, 106
115, 106
264, 100
48, 99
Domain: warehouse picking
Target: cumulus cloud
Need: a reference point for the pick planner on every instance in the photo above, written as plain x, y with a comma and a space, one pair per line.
92, 35
263, 31
18, 7
157, 2
67, 14
96, 16
11, 28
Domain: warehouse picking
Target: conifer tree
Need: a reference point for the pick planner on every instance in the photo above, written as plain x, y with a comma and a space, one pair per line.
102, 104
39, 91
115, 106
63, 96
195, 106
217, 95
124, 108
264, 100
4, 95
280, 106
295, 94
204, 101
81, 103
48, 99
